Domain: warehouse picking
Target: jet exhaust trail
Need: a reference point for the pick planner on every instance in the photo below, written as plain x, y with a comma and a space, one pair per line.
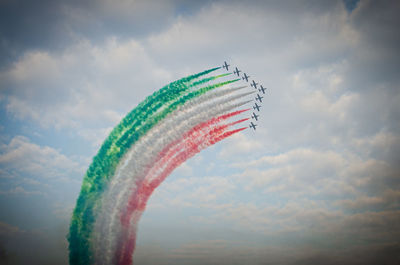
167, 128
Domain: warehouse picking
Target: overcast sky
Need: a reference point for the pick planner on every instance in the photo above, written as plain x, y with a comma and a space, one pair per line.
317, 183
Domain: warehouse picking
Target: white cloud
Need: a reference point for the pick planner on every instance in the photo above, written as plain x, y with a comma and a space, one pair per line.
324, 152
82, 86
390, 199
323, 163
299, 172
35, 169
45, 162
239, 144
21, 191
184, 170
192, 190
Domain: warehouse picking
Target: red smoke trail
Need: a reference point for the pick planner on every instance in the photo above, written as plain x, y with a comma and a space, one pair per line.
198, 129
196, 139
199, 137
127, 243
197, 133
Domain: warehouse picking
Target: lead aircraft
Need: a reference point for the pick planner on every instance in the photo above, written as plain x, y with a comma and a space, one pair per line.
225, 65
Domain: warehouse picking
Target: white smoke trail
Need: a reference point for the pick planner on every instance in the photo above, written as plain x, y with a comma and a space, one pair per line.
141, 149
117, 206
137, 160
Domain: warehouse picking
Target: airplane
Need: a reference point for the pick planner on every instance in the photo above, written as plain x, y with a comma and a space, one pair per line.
262, 89
246, 77
254, 84
259, 98
225, 65
237, 71
255, 116
256, 107
252, 125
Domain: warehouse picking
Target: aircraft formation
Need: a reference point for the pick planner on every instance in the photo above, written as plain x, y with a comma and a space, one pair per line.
258, 99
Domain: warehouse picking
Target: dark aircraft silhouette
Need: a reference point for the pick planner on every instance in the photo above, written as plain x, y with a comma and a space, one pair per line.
253, 126
246, 77
256, 107
237, 71
254, 84
255, 116
225, 65
261, 89
259, 98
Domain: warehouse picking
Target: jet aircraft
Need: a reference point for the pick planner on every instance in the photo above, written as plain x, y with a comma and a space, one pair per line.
256, 107
254, 84
237, 71
259, 98
245, 77
262, 89
225, 65
253, 126
255, 116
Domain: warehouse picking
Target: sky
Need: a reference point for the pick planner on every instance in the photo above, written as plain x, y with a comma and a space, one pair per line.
317, 183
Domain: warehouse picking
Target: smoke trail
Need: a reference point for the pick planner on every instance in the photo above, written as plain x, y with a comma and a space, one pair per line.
100, 171
128, 153
104, 164
197, 139
143, 154
198, 134
139, 157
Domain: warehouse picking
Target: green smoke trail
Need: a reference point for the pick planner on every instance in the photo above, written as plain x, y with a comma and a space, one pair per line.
170, 98
130, 129
150, 120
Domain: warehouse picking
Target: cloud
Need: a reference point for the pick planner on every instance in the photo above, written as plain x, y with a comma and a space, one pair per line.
222, 252
33, 246
81, 88
285, 45
24, 26
316, 183
20, 191
323, 167
35, 170
184, 170
389, 199
239, 144
378, 55
36, 200
23, 156
205, 191
326, 174
298, 173
7, 230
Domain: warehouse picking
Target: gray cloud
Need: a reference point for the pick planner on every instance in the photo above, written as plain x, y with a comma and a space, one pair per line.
221, 253
54, 25
377, 23
317, 183
67, 90
39, 246
22, 157
39, 175
36, 197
